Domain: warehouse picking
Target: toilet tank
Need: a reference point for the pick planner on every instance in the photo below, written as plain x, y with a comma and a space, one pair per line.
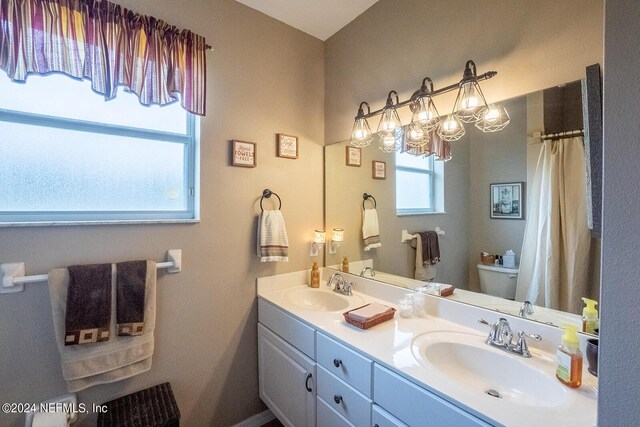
498, 281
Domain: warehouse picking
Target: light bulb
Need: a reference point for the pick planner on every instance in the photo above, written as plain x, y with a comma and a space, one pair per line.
361, 134
390, 122
451, 128
450, 124
492, 114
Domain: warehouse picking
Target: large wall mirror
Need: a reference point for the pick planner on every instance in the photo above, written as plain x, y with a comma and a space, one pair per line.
467, 200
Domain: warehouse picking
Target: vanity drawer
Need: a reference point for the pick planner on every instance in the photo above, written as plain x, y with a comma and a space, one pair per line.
327, 417
291, 329
343, 398
416, 406
344, 363
381, 418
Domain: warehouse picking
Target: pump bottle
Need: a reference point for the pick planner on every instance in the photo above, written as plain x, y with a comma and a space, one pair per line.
589, 316
569, 369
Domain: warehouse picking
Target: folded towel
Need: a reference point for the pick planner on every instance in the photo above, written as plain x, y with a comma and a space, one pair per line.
370, 229
88, 304
273, 244
430, 247
120, 357
369, 311
425, 272
130, 286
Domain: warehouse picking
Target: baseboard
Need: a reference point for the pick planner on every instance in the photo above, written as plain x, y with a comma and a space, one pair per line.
257, 420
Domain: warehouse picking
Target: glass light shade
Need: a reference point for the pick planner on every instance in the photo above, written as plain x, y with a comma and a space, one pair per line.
416, 135
390, 142
319, 236
361, 135
338, 235
451, 128
470, 103
390, 122
494, 118
425, 114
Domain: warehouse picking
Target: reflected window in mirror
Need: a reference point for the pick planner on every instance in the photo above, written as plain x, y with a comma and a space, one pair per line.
419, 184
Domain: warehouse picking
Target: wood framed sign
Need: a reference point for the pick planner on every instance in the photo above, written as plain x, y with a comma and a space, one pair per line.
287, 146
353, 155
378, 169
243, 154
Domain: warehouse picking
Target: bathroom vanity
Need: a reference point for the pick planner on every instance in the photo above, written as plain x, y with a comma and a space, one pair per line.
315, 369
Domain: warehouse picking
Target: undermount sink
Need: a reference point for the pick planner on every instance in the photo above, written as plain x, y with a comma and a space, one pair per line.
464, 358
321, 300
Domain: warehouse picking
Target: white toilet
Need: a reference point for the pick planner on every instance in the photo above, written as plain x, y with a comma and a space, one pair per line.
498, 281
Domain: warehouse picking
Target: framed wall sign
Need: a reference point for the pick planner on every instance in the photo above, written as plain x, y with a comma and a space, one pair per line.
507, 200
378, 169
354, 156
243, 154
287, 146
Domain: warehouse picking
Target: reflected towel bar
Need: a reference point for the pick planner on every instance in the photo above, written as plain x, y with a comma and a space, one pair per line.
14, 279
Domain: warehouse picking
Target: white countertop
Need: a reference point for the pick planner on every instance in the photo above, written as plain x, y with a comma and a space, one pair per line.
390, 344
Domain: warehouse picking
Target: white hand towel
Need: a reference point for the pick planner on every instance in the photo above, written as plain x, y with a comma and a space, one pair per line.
370, 229
100, 363
368, 311
273, 244
425, 272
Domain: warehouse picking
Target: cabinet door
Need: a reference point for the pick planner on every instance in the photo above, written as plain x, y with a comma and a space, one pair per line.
287, 380
381, 418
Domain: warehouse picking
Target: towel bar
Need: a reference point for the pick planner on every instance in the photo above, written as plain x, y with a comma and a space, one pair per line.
406, 236
14, 279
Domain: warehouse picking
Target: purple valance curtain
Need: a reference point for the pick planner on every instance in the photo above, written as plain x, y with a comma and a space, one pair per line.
107, 44
435, 146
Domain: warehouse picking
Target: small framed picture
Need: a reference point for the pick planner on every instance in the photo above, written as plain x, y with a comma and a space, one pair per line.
507, 200
287, 146
354, 156
243, 154
378, 169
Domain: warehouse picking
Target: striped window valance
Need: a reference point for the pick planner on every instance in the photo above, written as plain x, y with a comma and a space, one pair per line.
107, 44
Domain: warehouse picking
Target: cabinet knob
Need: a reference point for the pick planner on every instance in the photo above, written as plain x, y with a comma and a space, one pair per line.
337, 398
337, 363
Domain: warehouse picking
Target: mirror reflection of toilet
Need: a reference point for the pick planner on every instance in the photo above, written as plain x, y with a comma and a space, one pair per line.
498, 281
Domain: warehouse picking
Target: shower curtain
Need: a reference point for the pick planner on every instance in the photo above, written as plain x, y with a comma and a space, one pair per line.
554, 264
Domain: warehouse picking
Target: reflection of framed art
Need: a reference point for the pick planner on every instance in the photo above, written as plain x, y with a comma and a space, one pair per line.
287, 146
354, 156
378, 170
243, 154
507, 200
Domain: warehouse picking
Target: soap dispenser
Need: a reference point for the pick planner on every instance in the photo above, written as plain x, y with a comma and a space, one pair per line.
345, 265
590, 320
315, 276
569, 369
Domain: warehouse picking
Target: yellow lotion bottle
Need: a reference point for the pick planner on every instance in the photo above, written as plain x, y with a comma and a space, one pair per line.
315, 276
569, 369
590, 320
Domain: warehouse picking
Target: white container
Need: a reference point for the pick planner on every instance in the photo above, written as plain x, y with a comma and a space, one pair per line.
509, 259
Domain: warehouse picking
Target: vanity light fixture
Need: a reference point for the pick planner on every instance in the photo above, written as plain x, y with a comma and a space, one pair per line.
336, 240
470, 106
319, 238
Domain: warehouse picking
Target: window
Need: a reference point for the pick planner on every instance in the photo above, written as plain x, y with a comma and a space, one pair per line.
419, 184
67, 155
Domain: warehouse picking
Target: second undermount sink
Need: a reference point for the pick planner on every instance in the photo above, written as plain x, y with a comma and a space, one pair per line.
321, 300
465, 359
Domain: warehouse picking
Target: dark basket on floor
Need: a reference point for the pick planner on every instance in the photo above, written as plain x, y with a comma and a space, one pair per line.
151, 407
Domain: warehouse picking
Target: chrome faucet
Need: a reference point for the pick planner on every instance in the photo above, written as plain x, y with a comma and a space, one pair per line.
526, 309
364, 270
341, 286
501, 336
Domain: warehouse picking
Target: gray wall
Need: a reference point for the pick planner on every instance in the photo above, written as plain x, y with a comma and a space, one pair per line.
496, 157
619, 367
263, 77
344, 188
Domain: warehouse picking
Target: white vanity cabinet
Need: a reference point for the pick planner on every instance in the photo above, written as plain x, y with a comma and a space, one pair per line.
286, 366
308, 378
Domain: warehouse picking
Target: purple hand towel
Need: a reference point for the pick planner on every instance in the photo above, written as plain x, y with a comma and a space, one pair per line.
88, 310
130, 288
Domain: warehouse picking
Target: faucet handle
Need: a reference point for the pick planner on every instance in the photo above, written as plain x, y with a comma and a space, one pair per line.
521, 346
